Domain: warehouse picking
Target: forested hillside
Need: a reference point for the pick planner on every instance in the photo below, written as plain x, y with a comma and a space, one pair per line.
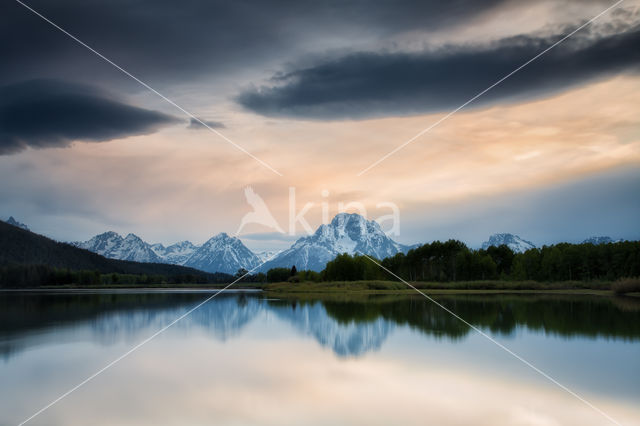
28, 259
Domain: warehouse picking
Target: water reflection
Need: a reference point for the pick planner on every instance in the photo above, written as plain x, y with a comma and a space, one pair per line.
345, 338
244, 358
349, 326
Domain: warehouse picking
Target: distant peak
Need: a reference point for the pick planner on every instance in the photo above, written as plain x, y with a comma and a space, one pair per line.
14, 222
222, 236
514, 242
600, 240
347, 215
109, 234
342, 218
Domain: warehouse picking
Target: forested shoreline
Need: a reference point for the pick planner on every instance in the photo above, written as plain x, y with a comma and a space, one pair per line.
454, 261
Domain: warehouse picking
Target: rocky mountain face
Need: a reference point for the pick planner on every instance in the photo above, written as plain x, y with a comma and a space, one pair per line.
347, 233
514, 242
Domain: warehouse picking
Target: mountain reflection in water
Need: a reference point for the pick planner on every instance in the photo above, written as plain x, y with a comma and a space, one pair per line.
349, 326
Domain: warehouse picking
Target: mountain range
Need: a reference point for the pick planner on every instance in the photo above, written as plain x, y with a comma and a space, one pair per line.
220, 253
346, 233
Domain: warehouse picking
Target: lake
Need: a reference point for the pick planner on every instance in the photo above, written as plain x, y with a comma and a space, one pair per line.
247, 359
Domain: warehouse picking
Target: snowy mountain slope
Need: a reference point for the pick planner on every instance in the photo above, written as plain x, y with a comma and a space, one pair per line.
112, 245
220, 254
106, 244
514, 242
347, 233
176, 254
350, 339
223, 253
268, 254
12, 221
133, 248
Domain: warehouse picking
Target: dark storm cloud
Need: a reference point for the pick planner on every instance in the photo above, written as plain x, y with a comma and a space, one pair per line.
369, 84
196, 125
173, 40
53, 113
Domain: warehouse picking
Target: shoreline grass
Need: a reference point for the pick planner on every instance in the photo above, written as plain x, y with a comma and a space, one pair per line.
393, 287
529, 286
626, 286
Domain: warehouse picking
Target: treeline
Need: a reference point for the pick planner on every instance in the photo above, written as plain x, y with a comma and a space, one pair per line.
276, 275
26, 276
454, 261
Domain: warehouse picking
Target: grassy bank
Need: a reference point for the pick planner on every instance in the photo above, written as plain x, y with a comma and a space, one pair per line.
624, 303
394, 287
186, 286
437, 287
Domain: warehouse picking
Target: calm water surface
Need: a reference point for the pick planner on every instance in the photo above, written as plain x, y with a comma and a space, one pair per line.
245, 359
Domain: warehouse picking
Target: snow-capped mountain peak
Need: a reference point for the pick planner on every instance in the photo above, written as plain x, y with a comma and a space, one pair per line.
222, 253
346, 233
111, 244
514, 242
104, 244
221, 237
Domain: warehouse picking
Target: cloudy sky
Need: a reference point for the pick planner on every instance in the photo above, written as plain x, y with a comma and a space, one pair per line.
309, 95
